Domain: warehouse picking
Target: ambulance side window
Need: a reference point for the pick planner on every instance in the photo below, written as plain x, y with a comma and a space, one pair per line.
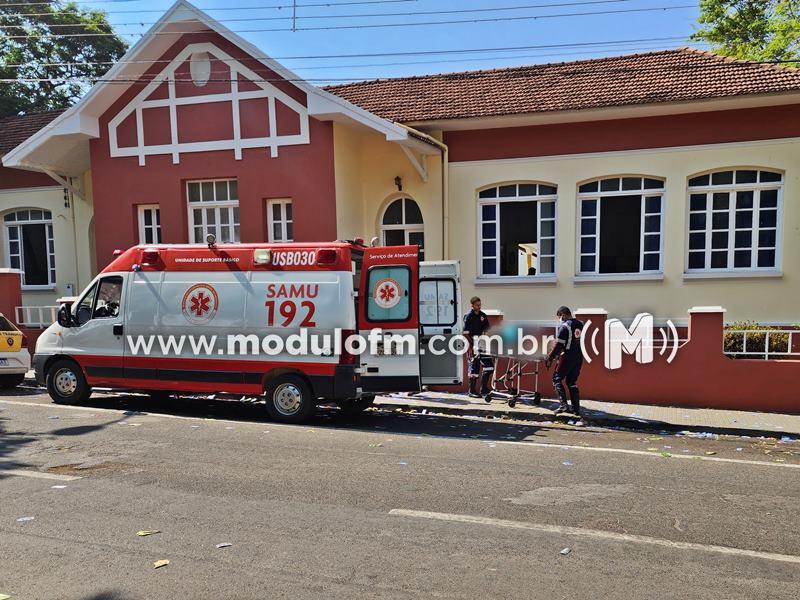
84, 311
109, 295
389, 294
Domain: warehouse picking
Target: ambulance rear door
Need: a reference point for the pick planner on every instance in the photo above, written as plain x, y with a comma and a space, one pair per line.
388, 301
441, 359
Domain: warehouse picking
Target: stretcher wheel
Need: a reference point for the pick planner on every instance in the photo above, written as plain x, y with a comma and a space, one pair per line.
537, 399
512, 402
487, 398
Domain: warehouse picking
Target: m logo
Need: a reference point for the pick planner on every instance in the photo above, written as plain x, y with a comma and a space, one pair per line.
637, 340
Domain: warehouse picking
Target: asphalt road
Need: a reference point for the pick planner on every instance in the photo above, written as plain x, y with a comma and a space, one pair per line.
388, 505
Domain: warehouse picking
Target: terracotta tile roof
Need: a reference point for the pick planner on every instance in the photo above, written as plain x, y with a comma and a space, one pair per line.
665, 76
15, 130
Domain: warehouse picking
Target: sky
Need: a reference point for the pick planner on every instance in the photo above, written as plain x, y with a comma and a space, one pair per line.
614, 27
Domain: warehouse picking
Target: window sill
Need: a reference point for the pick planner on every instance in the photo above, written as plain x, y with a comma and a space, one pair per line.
732, 275
618, 278
502, 281
38, 288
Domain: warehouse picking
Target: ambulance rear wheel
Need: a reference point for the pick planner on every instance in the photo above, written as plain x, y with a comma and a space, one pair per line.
289, 399
355, 406
66, 383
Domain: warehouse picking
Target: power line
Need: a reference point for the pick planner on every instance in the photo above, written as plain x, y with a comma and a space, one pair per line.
370, 25
379, 15
373, 54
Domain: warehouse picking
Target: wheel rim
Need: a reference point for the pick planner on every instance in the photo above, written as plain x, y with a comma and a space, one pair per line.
65, 381
287, 399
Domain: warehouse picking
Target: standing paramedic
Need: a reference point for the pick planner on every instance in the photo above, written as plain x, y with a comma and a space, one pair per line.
569, 359
476, 324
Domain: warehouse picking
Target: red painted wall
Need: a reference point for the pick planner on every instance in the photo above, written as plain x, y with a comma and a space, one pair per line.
10, 295
17, 178
304, 173
625, 134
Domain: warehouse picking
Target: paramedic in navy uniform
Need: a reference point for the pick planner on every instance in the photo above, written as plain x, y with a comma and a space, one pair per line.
569, 359
476, 323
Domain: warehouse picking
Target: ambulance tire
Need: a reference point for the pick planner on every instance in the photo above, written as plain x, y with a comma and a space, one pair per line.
289, 399
66, 383
11, 381
356, 406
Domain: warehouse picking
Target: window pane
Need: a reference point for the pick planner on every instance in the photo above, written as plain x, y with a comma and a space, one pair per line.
589, 208
34, 255
652, 204
224, 216
767, 218
721, 201
287, 208
289, 232
697, 221
547, 190
697, 202
158, 216
148, 236
650, 262
653, 184
489, 248
651, 243
652, 224
211, 217
547, 247
490, 193
13, 232
588, 245
194, 192
588, 187
742, 259
207, 191
587, 264
766, 258
527, 189
744, 239
548, 228
719, 240
14, 260
277, 233
609, 185
518, 237
416, 238
276, 211
769, 198
719, 260
488, 212
394, 237
698, 181
631, 183
508, 191
697, 260
769, 176
148, 217
746, 176
766, 238
36, 215
198, 235
547, 264
235, 211
489, 231
722, 178
620, 234
10, 217
744, 219
547, 210
744, 199
588, 226
489, 266
394, 213
413, 214
719, 220
221, 189
697, 241
13, 247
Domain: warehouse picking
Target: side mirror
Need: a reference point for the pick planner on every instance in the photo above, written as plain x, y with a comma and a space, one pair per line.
64, 317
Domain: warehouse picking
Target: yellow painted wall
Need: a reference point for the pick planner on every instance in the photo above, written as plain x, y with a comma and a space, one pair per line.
758, 299
365, 166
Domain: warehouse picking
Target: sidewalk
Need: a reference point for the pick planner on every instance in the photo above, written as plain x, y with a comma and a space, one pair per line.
608, 414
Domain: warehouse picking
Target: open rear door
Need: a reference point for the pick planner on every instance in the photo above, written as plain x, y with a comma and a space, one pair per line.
388, 302
440, 316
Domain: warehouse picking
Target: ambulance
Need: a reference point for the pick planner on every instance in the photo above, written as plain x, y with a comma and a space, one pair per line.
232, 319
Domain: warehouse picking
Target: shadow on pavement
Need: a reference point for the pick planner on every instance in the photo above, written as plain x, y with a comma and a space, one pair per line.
10, 442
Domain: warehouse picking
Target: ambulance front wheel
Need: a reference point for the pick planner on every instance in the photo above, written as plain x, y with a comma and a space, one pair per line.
66, 383
289, 399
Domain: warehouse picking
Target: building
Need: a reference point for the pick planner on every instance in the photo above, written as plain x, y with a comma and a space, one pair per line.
650, 182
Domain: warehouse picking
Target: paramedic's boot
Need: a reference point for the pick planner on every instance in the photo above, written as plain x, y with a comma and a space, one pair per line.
486, 391
562, 400
575, 397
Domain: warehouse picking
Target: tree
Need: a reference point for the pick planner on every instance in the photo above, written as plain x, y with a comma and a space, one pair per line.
763, 30
48, 71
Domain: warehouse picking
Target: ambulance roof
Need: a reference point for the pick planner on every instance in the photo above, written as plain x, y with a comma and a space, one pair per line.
294, 256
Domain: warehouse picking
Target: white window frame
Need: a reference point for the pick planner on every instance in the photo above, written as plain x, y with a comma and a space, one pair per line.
597, 197
284, 220
732, 189
407, 228
496, 201
229, 205
155, 226
49, 240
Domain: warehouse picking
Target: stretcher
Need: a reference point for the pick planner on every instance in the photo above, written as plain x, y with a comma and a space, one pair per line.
508, 377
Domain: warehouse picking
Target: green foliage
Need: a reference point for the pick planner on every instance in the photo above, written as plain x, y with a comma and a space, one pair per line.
25, 40
761, 30
734, 339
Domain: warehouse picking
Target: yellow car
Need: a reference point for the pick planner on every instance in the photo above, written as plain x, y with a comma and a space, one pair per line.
15, 360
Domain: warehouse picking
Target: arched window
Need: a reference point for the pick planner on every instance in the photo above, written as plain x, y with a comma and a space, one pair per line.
402, 225
30, 247
621, 225
733, 220
517, 230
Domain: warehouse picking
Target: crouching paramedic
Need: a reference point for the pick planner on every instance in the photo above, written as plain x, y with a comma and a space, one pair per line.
476, 324
569, 359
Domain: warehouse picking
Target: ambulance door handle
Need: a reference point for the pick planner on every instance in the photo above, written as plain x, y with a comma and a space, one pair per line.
117, 329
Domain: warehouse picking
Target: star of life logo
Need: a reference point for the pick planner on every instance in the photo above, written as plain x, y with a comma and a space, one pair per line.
200, 304
387, 293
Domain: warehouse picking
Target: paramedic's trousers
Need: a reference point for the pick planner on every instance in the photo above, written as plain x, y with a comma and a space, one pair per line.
483, 366
567, 372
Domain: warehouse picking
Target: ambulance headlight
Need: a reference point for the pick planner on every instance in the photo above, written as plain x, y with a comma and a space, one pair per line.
262, 256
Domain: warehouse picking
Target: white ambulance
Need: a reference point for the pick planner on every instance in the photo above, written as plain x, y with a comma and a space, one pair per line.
193, 319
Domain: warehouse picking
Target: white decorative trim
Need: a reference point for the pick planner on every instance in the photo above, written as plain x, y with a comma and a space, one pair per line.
618, 278
273, 141
420, 164
770, 274
511, 280
706, 309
